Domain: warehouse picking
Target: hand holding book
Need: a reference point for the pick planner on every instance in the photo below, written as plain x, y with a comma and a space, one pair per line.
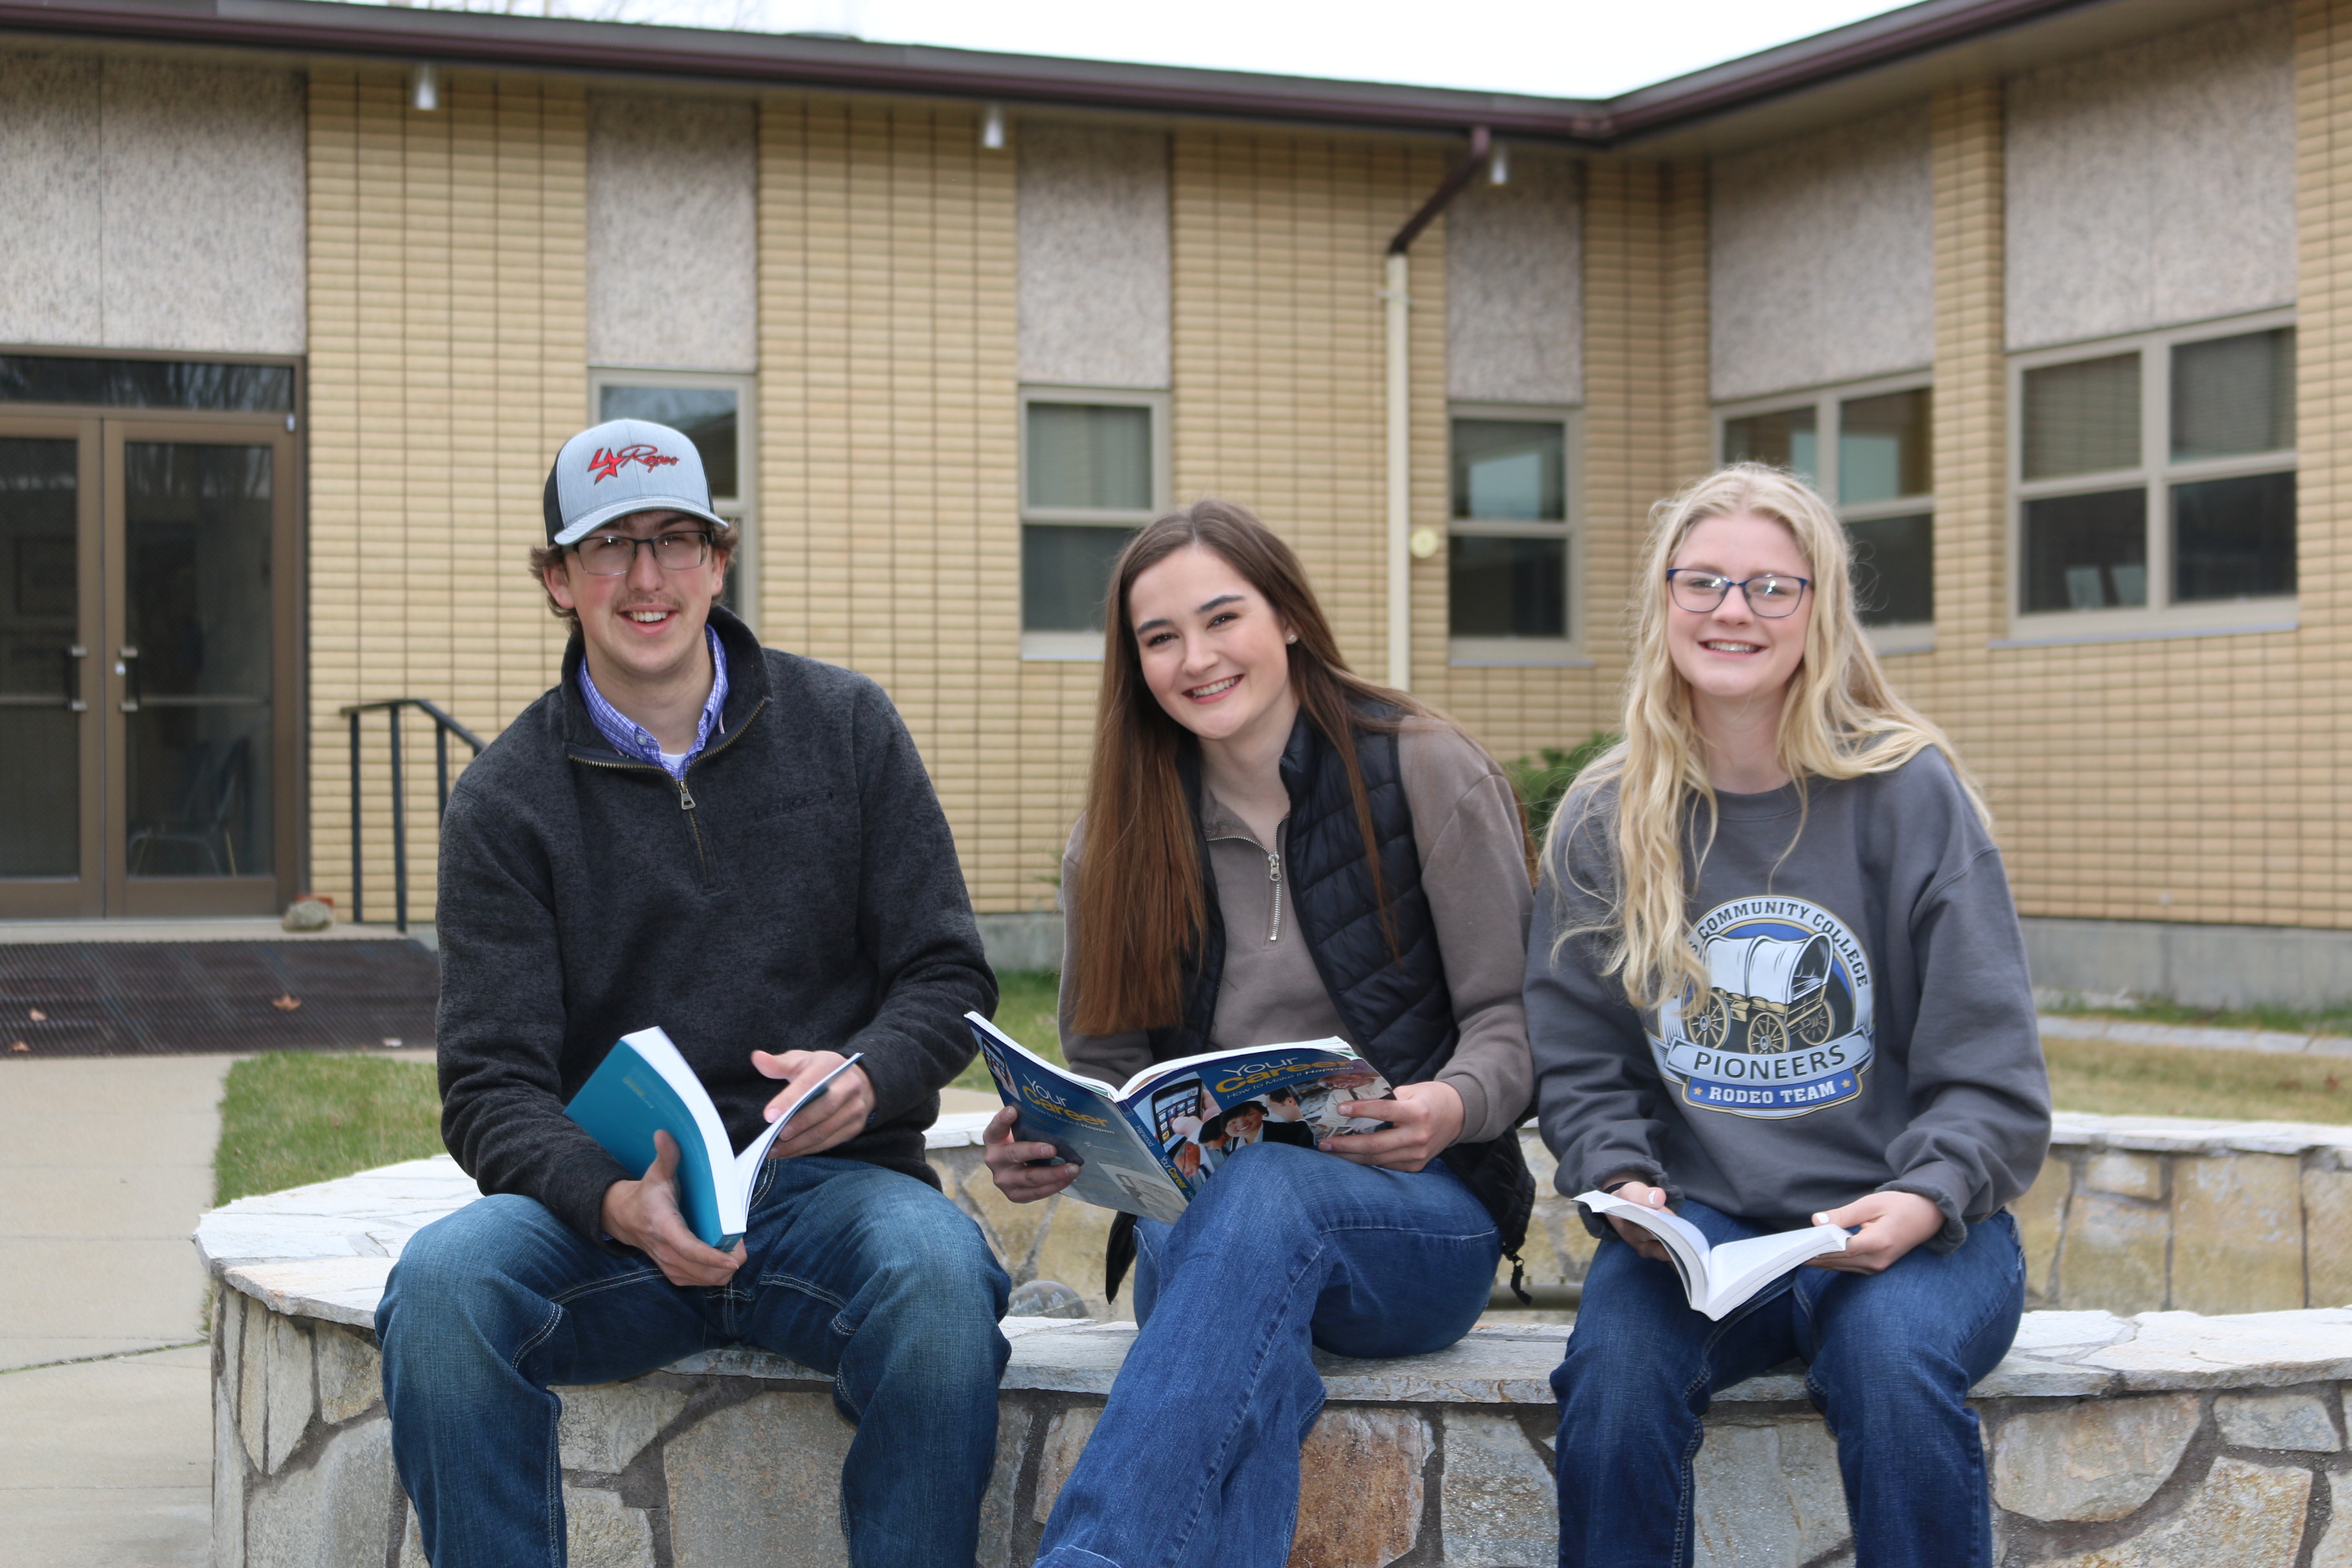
1892, 1224
645, 1213
837, 1115
1719, 1276
1422, 1122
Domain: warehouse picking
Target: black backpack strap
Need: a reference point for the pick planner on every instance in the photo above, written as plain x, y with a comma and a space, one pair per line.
1118, 1253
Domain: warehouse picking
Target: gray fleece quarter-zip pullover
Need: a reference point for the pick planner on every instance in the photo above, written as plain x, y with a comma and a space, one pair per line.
1869, 1024
795, 890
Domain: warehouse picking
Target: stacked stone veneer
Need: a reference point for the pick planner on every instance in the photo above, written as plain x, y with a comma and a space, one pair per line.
2129, 1214
2165, 1439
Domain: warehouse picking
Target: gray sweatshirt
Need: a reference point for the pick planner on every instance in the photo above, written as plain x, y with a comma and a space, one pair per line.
1869, 1025
1466, 825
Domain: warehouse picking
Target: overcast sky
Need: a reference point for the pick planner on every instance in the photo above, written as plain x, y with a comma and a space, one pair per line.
1572, 49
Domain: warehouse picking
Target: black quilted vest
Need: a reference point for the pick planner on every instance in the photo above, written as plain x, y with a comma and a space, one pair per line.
1395, 1001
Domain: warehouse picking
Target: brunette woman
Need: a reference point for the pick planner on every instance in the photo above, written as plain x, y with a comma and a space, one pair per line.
1276, 850
1777, 980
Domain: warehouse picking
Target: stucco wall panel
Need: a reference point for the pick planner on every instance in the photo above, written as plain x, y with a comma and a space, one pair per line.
1515, 286
151, 205
2153, 184
50, 205
203, 173
672, 242
1094, 258
1822, 257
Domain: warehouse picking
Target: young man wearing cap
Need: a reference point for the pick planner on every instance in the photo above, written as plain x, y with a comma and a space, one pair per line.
741, 847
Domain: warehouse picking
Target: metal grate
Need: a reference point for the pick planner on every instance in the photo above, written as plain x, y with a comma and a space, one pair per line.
139, 998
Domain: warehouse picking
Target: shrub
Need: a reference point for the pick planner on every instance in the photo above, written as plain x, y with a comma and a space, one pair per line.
1543, 780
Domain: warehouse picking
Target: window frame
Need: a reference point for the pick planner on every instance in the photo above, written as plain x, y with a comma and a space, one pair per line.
1566, 652
1902, 637
743, 510
2155, 474
1085, 647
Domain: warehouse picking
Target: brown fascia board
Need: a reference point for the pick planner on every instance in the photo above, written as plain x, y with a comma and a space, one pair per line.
453, 37
1875, 42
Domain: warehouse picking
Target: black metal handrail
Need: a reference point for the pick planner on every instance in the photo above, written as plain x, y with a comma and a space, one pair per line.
444, 727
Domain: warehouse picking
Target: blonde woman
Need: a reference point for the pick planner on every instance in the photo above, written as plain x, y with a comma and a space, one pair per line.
1775, 979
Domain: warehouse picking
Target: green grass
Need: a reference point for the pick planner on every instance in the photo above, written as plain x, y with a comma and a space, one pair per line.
292, 1118
1026, 1003
2174, 1080
2157, 1010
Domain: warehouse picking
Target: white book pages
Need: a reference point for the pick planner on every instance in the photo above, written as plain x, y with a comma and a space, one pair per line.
660, 1054
1718, 1280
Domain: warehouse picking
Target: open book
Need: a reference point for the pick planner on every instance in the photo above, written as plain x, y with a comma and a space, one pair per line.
1719, 1279
643, 1086
1148, 1145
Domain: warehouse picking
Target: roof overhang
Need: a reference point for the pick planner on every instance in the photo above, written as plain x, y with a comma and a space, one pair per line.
1900, 50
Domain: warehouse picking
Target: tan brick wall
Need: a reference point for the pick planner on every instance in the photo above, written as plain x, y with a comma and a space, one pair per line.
2150, 780
887, 453
2318, 773
446, 287
1646, 432
1280, 351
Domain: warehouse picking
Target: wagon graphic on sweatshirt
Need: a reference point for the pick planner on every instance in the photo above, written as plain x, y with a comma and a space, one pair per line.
1783, 1027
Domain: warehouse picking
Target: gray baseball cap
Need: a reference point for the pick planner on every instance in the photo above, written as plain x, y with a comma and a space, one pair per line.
622, 466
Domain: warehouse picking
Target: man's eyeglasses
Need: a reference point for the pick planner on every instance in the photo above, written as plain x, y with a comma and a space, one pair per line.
612, 554
1771, 595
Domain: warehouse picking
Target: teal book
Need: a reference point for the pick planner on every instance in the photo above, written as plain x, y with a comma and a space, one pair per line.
644, 1086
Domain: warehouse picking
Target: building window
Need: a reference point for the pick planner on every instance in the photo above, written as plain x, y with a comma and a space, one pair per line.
714, 411
1867, 449
2155, 483
1094, 469
1511, 546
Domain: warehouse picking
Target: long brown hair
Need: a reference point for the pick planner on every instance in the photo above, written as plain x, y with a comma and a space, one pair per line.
1139, 890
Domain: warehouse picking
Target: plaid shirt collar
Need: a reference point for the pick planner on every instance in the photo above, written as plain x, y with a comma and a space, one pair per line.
631, 741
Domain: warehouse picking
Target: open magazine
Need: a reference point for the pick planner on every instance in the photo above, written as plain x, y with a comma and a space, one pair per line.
1719, 1279
1148, 1145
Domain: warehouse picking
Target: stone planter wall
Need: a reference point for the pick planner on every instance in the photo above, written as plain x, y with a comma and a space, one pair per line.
2145, 1214
2130, 1215
2168, 1438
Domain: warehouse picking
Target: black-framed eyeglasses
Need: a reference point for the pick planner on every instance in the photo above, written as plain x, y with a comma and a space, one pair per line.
1770, 594
612, 554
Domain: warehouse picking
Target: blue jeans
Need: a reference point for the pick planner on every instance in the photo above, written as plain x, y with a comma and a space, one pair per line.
864, 1273
1195, 1459
1890, 1358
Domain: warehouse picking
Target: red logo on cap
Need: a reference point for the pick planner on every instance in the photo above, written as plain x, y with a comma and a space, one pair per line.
609, 461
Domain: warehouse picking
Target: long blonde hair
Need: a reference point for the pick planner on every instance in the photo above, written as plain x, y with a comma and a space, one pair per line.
1839, 719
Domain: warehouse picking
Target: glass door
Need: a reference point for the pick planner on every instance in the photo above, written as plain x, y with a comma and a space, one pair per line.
51, 606
197, 520
147, 641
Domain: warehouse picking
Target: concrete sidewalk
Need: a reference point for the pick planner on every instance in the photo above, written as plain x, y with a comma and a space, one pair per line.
104, 1166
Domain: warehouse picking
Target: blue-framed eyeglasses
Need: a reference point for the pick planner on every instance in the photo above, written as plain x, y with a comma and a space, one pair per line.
1770, 594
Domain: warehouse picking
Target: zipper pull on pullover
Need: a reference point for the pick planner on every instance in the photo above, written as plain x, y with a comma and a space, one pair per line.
685, 799
1274, 875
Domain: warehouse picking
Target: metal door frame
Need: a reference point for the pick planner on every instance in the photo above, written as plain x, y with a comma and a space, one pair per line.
174, 897
103, 887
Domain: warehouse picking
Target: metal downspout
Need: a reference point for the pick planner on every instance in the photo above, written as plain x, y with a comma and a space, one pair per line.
1397, 295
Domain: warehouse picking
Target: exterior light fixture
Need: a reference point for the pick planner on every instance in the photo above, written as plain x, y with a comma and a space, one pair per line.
1498, 167
991, 127
423, 87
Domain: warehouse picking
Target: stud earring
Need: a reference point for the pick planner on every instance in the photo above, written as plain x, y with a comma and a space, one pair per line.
1291, 638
